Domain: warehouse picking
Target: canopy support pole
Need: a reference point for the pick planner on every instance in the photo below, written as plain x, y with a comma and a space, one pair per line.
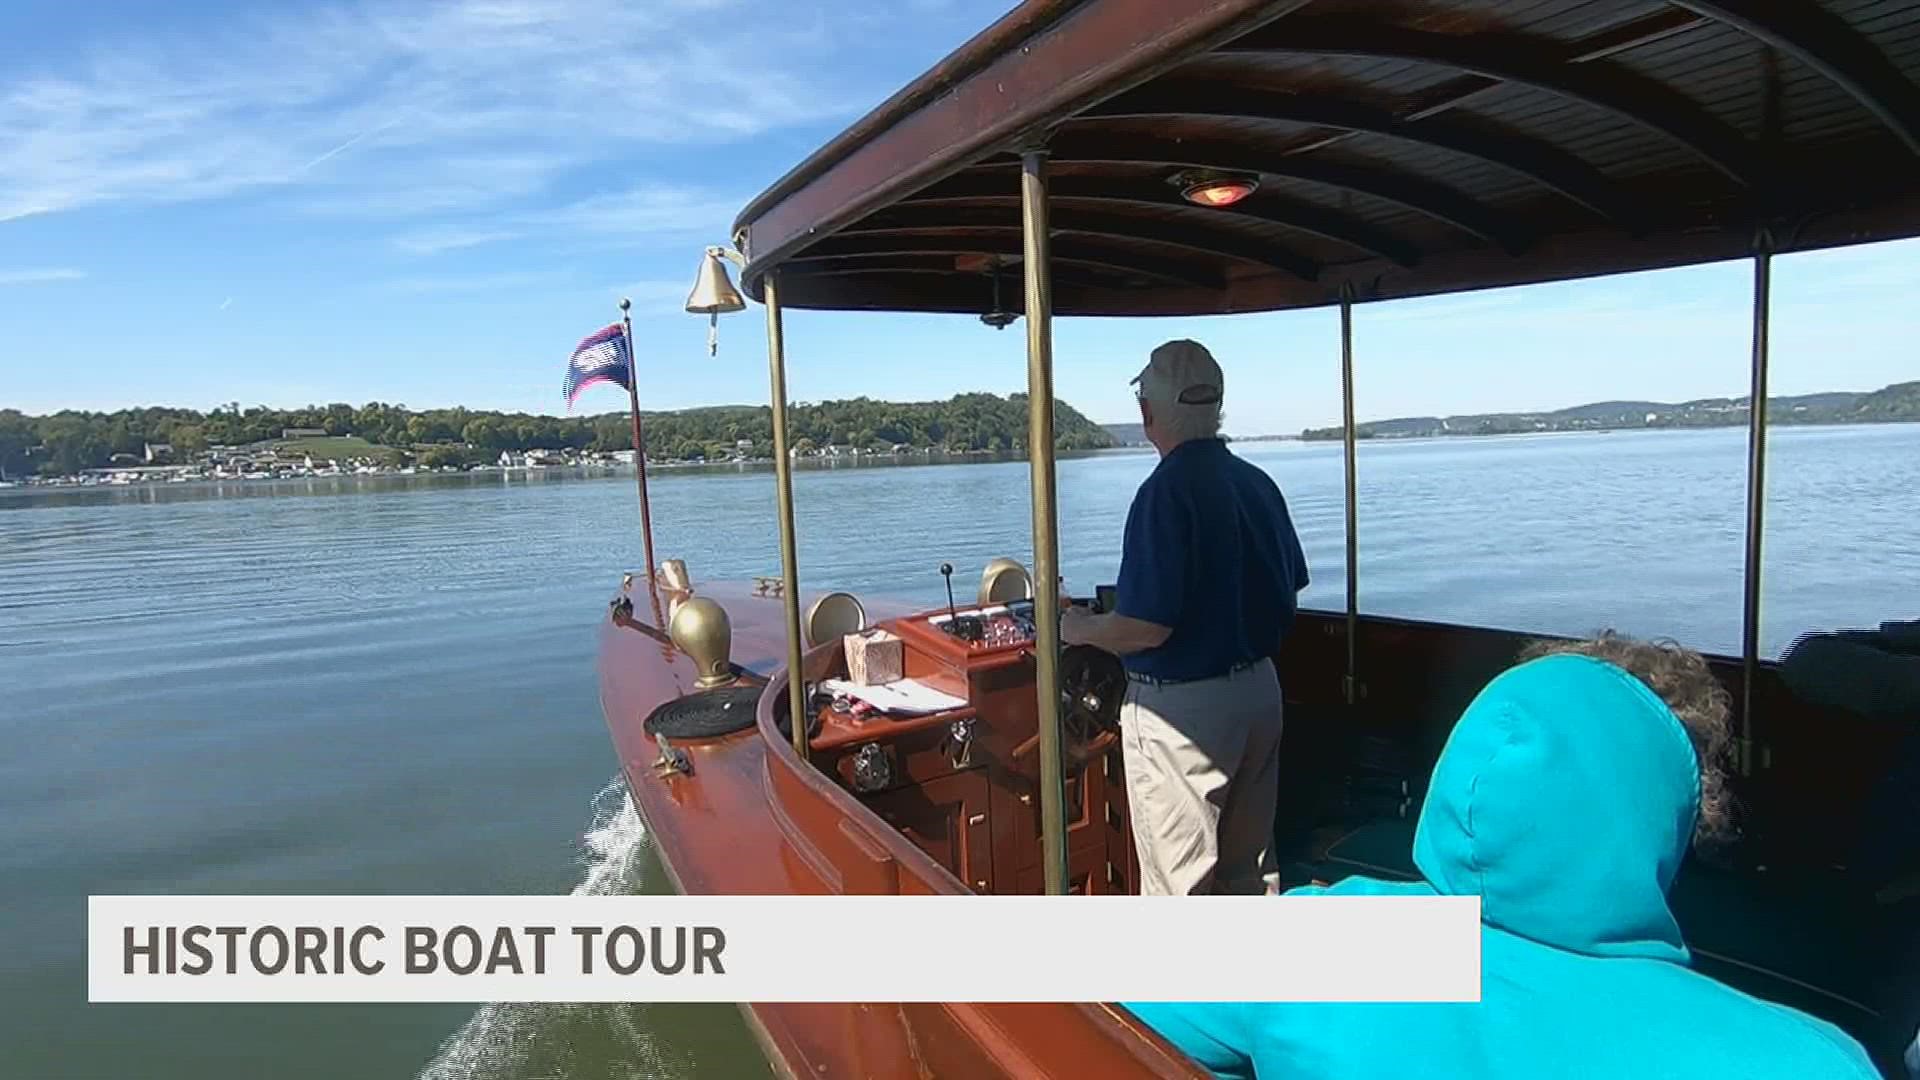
1756, 491
783, 484
1036, 248
1351, 684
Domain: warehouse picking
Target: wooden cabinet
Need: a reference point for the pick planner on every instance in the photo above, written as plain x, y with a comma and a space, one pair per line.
947, 818
978, 814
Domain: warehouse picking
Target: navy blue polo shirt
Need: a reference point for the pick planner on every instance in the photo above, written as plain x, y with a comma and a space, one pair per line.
1210, 553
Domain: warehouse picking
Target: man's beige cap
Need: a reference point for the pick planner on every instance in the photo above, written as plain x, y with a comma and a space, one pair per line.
1182, 372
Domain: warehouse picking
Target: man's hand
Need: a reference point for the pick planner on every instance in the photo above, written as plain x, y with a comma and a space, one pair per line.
1115, 633
1077, 626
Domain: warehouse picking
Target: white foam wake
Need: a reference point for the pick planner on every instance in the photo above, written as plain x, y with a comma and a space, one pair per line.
520, 1041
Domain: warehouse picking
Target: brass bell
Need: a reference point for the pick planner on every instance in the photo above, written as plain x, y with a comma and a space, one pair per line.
713, 296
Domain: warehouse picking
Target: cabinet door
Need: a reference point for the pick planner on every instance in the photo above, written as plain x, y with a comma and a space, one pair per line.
947, 818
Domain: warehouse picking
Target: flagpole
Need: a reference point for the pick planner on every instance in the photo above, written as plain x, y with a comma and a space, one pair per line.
639, 443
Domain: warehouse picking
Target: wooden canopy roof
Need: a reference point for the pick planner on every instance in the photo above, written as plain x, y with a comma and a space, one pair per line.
1404, 147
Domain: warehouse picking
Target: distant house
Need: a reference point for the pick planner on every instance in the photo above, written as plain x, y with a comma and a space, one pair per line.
539, 458
303, 433
745, 446
159, 453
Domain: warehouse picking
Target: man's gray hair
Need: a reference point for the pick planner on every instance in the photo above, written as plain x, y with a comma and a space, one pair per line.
1183, 422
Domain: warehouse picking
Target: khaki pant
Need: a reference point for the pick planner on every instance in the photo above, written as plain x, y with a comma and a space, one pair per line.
1203, 761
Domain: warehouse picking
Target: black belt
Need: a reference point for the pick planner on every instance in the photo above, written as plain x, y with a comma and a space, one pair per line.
1155, 680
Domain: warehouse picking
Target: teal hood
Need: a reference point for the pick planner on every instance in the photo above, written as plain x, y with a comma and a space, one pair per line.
1565, 799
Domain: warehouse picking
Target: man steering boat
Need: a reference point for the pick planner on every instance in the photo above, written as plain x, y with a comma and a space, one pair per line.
1209, 574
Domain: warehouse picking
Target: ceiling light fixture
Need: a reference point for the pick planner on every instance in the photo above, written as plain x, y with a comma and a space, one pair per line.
1215, 189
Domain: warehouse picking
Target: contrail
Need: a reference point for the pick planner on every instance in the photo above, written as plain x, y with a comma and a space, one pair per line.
343, 147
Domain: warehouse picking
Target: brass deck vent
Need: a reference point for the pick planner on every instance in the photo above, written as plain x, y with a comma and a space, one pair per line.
700, 628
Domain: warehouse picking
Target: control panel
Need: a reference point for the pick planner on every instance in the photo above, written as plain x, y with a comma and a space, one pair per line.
997, 627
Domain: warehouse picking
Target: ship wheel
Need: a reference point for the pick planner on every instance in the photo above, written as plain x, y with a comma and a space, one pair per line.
1092, 685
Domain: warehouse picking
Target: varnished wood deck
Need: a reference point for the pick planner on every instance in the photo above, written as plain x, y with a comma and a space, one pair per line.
752, 820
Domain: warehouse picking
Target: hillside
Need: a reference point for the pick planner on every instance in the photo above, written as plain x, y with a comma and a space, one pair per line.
66, 443
966, 422
1900, 402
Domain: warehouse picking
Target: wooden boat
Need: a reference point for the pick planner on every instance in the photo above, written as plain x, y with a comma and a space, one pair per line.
1138, 157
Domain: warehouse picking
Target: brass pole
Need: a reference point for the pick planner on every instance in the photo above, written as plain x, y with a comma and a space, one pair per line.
1756, 491
639, 440
1351, 684
783, 483
1036, 248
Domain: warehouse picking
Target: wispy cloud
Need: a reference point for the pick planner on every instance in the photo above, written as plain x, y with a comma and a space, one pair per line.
399, 107
37, 277
225, 304
448, 238
656, 297
649, 209
462, 283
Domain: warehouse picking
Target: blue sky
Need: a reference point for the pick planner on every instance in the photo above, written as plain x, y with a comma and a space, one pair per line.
429, 202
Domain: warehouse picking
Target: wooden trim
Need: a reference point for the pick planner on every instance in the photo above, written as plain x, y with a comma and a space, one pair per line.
976, 188
1527, 61
1824, 42
1540, 162
910, 219
1435, 201
944, 122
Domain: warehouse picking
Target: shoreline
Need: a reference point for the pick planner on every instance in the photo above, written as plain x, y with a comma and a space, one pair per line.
1773, 424
593, 470
581, 470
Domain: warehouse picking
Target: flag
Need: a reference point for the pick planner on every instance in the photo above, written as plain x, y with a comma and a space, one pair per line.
601, 356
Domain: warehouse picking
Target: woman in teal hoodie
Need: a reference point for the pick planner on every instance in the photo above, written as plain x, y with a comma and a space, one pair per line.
1565, 799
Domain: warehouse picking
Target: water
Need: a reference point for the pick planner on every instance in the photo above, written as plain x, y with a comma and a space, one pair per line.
386, 685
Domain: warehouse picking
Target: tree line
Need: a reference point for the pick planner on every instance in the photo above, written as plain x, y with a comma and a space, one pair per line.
66, 442
1897, 403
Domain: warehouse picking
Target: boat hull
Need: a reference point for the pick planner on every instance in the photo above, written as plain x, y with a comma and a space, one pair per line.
750, 819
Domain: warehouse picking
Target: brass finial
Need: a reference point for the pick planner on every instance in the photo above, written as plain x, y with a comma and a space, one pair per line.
700, 628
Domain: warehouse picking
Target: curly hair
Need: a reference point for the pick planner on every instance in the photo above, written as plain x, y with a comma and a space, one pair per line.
1682, 679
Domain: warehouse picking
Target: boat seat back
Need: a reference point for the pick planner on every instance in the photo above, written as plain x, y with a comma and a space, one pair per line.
833, 617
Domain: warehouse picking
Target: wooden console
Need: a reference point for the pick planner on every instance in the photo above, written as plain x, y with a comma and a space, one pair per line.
977, 813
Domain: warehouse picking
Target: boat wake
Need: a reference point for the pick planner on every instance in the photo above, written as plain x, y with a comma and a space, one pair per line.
520, 1041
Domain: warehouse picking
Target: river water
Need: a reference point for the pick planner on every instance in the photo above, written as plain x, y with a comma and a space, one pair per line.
386, 685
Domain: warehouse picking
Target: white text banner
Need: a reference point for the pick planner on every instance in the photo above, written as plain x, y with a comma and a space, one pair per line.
781, 948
